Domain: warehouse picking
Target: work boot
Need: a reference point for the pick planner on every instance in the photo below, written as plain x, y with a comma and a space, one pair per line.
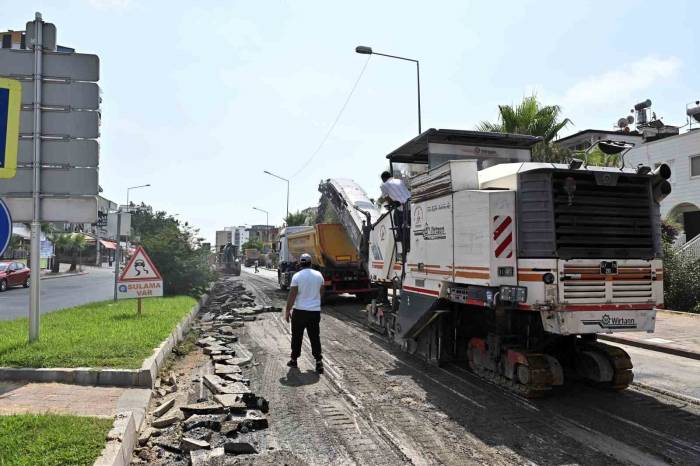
319, 366
292, 363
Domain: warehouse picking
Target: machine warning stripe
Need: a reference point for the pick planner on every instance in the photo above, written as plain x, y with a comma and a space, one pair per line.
467, 267
421, 290
501, 227
479, 275
502, 247
530, 277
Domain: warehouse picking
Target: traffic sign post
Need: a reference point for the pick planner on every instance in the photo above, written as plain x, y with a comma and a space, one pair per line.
54, 123
5, 227
10, 105
139, 279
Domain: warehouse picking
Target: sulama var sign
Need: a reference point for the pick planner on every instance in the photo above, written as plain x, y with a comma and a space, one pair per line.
140, 278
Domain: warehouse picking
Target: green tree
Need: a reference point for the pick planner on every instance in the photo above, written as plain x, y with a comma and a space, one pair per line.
529, 117
295, 219
599, 158
252, 244
176, 251
681, 276
78, 243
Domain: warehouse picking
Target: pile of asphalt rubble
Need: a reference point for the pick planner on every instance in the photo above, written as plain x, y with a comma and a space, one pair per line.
223, 414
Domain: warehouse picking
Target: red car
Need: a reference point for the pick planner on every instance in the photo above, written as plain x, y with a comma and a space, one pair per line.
13, 274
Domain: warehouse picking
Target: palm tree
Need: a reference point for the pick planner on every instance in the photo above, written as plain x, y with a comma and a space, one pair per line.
77, 245
529, 117
601, 159
295, 218
61, 242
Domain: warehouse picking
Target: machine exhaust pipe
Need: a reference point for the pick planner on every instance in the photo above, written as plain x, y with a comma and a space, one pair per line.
661, 190
663, 171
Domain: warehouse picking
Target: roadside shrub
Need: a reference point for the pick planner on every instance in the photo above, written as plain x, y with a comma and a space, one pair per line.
681, 281
176, 251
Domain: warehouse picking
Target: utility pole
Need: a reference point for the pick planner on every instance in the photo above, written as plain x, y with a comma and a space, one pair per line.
35, 247
117, 252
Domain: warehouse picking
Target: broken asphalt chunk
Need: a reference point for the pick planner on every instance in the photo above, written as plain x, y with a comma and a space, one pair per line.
206, 407
163, 408
210, 421
165, 421
190, 444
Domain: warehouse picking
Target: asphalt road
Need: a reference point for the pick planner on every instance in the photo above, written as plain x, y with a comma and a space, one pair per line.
665, 371
59, 293
655, 369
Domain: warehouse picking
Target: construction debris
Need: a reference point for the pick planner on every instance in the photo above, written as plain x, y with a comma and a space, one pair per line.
204, 429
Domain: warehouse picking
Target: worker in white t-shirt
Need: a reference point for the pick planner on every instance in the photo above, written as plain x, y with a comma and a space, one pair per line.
396, 194
304, 307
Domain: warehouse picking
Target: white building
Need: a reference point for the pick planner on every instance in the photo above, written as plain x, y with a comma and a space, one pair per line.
586, 138
234, 235
682, 154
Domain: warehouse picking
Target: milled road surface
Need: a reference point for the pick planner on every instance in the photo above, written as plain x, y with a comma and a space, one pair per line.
378, 405
59, 293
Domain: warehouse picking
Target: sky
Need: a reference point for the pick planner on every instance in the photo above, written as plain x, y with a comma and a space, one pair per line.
199, 98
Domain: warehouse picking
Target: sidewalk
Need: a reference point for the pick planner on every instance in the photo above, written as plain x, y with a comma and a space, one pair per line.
82, 270
677, 333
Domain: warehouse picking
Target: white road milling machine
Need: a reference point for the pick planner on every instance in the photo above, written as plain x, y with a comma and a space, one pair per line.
515, 266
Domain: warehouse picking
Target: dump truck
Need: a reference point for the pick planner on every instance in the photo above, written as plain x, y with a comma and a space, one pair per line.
288, 263
514, 267
251, 255
332, 253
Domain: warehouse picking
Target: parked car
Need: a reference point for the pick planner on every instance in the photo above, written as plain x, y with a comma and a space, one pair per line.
13, 273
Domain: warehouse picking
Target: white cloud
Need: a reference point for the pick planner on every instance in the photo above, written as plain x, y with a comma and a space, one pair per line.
622, 85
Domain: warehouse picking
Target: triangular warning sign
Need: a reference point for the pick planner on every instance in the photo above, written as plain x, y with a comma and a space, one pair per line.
140, 268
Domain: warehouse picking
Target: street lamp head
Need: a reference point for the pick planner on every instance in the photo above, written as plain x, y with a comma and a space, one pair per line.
363, 49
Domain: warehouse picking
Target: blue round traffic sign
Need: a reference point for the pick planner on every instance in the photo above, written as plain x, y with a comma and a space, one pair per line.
5, 227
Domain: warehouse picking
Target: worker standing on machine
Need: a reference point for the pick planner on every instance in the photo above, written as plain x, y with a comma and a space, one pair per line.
396, 194
304, 306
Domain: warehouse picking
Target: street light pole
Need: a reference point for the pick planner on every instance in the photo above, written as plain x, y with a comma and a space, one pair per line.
283, 179
134, 187
117, 253
363, 49
267, 221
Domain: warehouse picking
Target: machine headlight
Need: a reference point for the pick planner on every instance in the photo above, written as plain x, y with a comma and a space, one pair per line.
548, 278
513, 294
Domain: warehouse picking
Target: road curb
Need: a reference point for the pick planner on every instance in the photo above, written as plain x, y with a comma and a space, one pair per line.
652, 347
121, 439
53, 277
693, 315
144, 377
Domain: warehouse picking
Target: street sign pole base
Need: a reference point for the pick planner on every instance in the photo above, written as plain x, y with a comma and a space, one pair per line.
138, 306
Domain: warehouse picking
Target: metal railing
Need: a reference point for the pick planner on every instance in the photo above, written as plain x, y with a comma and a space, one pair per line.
691, 248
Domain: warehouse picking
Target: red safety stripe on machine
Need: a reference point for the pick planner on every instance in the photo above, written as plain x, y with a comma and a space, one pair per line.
608, 307
421, 290
503, 236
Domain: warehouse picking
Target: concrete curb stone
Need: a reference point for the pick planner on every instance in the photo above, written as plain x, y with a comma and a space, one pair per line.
143, 377
62, 275
122, 438
673, 350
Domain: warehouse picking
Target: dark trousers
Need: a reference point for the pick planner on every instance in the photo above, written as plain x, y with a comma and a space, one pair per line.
310, 321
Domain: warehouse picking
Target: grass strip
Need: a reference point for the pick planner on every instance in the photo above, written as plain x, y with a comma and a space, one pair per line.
104, 334
46, 439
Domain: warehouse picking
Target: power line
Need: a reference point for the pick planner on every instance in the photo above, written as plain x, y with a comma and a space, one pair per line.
337, 118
